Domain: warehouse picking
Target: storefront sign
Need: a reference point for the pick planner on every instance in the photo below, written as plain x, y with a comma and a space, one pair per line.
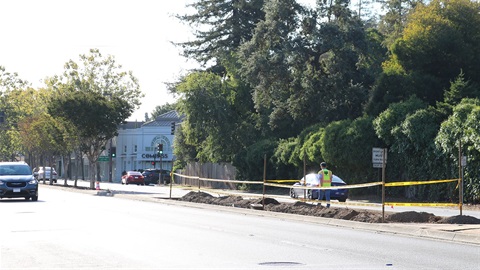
149, 156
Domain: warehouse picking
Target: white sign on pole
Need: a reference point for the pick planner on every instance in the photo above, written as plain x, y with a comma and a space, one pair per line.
377, 165
464, 161
377, 156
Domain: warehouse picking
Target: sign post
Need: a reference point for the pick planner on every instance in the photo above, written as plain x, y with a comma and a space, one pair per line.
379, 160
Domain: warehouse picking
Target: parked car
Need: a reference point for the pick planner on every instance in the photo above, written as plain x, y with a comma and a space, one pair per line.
152, 175
44, 173
313, 180
17, 181
133, 177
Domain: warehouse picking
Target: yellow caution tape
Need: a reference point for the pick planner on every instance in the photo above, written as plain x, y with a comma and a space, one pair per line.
420, 204
411, 183
186, 176
332, 187
271, 183
282, 181
218, 180
230, 181
284, 186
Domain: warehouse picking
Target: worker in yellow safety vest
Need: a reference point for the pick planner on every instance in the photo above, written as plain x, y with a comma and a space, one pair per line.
325, 181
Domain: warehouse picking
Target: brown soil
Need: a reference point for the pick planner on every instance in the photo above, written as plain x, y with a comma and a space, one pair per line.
302, 208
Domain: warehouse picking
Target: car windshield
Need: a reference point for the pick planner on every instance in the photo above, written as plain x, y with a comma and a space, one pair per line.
314, 179
14, 170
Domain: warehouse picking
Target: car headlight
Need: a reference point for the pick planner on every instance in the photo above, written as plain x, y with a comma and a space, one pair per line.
33, 182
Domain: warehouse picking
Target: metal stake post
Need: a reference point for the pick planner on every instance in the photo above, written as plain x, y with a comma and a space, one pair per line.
304, 176
264, 178
383, 184
460, 177
160, 176
110, 164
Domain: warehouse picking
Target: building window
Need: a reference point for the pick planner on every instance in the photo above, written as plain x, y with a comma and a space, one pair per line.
125, 149
135, 149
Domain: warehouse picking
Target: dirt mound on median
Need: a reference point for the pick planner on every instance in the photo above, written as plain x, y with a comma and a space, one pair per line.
307, 209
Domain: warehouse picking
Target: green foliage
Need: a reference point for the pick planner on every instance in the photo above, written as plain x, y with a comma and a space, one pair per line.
44, 135
94, 96
439, 41
10, 81
453, 129
462, 129
18, 105
100, 74
282, 159
250, 162
459, 89
306, 85
312, 148
387, 123
214, 116
93, 115
393, 20
224, 23
347, 148
305, 69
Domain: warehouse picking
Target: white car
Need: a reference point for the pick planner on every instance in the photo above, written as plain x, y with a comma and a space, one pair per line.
44, 173
313, 180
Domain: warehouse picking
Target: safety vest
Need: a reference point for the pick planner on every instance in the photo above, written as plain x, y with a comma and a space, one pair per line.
327, 177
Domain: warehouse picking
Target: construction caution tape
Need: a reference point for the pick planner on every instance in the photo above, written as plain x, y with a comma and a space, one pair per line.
411, 183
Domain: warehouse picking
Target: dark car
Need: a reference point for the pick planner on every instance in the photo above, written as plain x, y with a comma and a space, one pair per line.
152, 175
133, 177
17, 181
313, 180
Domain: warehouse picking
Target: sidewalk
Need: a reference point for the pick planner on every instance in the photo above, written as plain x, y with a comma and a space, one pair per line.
461, 233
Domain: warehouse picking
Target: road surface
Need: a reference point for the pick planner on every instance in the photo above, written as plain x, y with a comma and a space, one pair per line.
67, 230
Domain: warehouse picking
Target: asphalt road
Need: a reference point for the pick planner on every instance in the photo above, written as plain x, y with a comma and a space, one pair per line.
67, 230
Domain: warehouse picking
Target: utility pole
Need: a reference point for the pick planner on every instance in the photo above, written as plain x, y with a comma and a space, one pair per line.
110, 163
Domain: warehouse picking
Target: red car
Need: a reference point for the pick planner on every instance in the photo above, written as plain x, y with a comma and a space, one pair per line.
133, 177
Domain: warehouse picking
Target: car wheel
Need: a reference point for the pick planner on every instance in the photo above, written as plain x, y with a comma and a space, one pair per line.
35, 198
292, 193
309, 194
27, 198
342, 199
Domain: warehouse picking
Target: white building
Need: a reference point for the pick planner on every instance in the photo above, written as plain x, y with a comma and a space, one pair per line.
136, 145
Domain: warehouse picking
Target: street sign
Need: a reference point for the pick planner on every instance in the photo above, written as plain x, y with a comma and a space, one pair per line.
103, 158
377, 165
377, 155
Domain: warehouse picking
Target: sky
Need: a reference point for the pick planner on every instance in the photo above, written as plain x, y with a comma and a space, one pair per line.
39, 36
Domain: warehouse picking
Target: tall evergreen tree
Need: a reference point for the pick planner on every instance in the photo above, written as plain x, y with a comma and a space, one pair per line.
307, 66
393, 21
224, 25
